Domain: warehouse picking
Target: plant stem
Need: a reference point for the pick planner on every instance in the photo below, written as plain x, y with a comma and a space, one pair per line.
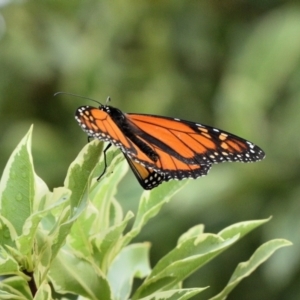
31, 283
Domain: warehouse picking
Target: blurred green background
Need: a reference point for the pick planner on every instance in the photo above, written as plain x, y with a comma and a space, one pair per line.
230, 64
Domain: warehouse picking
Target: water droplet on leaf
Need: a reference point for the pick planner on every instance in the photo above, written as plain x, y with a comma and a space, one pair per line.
19, 197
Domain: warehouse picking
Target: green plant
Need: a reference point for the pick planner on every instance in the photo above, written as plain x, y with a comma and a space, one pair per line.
72, 241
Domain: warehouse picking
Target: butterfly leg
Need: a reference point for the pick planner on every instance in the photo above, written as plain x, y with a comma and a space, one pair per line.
105, 162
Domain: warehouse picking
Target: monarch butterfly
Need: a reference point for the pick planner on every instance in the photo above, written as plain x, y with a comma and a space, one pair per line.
160, 148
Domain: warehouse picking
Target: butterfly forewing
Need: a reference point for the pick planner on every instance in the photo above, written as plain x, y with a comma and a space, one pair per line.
196, 143
97, 123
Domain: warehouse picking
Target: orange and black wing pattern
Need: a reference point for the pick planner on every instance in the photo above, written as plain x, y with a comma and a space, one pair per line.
161, 148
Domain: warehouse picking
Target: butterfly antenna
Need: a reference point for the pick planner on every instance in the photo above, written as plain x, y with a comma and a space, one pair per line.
108, 99
78, 96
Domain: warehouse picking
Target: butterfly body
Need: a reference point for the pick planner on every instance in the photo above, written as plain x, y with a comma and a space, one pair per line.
160, 148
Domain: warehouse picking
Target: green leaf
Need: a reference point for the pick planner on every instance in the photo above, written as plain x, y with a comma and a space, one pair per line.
77, 182
102, 192
54, 203
107, 244
8, 233
110, 179
150, 204
8, 265
41, 193
180, 294
192, 232
116, 212
203, 247
96, 217
43, 292
132, 261
246, 268
4, 294
241, 228
42, 258
17, 189
15, 288
80, 170
75, 275
26, 240
187, 257
98, 229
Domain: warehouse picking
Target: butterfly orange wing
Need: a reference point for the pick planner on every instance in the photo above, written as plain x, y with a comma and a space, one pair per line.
183, 144
160, 148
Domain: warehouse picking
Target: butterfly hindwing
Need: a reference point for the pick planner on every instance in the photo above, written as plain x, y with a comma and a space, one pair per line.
148, 178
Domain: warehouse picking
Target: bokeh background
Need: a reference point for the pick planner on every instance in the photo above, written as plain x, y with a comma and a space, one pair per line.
230, 64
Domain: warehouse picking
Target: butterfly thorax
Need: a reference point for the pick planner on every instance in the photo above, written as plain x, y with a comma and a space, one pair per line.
117, 115
130, 131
